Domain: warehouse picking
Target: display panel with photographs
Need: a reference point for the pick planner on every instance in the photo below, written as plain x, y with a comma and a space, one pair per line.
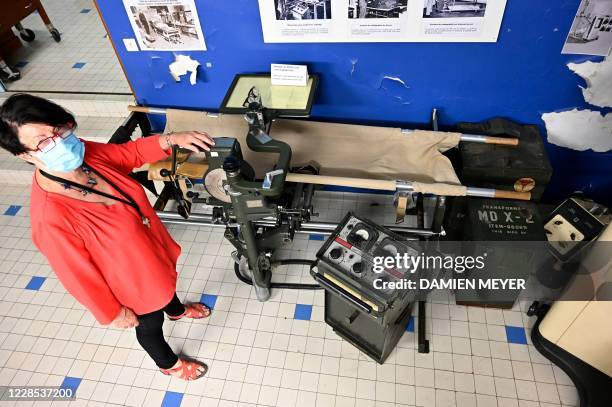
454, 8
303, 21
377, 8
303, 9
591, 31
166, 25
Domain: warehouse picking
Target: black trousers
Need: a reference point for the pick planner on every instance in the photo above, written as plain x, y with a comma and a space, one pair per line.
151, 336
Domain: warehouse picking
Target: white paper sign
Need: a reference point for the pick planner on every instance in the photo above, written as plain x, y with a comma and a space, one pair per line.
292, 75
130, 44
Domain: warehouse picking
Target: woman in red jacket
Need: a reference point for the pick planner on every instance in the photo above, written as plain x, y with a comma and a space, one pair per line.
95, 224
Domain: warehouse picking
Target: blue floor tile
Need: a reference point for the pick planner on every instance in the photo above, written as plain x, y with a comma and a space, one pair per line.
71, 383
79, 65
35, 283
516, 334
316, 237
410, 326
172, 399
12, 210
303, 312
209, 300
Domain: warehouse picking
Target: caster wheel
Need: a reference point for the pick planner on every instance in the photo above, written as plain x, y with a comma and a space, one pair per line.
55, 34
9, 74
27, 35
533, 309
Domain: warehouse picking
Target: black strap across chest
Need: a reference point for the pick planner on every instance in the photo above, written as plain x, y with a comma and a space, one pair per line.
128, 199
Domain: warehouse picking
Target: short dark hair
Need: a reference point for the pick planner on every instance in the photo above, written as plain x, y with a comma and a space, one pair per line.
20, 109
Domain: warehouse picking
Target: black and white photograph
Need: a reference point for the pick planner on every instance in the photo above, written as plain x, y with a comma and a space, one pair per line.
377, 8
303, 9
380, 20
454, 8
166, 25
591, 31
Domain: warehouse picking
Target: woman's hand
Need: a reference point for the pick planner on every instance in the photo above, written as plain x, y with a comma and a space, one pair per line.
125, 319
192, 140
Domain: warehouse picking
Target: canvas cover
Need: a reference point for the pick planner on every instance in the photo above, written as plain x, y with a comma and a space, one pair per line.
344, 150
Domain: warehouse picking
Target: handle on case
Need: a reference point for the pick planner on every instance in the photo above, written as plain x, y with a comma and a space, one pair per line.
523, 196
345, 295
502, 140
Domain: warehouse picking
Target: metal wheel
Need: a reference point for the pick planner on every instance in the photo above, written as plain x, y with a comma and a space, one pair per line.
55, 34
27, 35
7, 73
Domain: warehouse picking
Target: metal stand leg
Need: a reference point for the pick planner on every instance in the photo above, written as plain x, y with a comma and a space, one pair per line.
438, 219
438, 215
423, 343
45, 18
259, 262
260, 273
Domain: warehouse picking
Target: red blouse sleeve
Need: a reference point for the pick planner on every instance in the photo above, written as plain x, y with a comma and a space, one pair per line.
75, 269
133, 154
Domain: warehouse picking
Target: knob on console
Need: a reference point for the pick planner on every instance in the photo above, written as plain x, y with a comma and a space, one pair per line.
357, 269
335, 253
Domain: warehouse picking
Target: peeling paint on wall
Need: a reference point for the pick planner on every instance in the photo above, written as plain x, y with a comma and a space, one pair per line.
598, 77
395, 87
158, 78
182, 65
353, 65
585, 129
396, 79
580, 130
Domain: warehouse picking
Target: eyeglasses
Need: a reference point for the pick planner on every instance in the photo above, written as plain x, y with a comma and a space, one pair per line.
47, 144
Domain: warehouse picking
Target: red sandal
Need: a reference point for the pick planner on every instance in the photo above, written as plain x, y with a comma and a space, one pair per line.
188, 370
194, 310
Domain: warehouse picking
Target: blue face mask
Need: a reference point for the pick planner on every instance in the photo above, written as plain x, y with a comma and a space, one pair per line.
67, 155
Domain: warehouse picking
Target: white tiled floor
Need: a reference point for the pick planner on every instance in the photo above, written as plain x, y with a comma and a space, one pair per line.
49, 66
258, 353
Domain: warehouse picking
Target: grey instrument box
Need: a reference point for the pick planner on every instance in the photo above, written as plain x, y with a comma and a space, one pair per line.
371, 319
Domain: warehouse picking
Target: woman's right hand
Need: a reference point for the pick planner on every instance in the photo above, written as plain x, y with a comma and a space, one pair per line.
125, 319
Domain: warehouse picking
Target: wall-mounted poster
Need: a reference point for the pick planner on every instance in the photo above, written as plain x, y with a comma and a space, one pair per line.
306, 19
166, 25
453, 18
591, 31
378, 18
381, 20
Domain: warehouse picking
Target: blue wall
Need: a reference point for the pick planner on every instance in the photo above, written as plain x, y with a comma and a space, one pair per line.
520, 77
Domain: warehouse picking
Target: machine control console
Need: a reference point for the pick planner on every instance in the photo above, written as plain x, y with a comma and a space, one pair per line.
350, 257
